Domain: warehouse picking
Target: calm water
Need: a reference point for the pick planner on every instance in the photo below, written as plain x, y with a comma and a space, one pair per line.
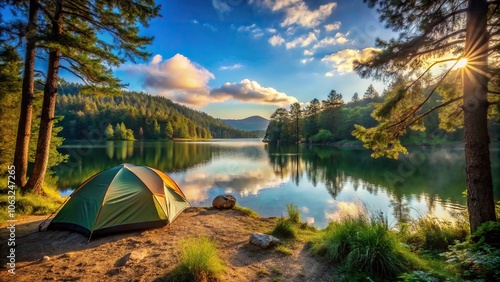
318, 179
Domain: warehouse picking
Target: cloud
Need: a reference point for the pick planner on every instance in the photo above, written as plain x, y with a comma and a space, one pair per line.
308, 53
176, 78
307, 60
271, 30
343, 60
221, 8
252, 92
300, 14
195, 21
297, 12
252, 29
184, 81
302, 41
209, 26
332, 26
338, 39
232, 67
276, 40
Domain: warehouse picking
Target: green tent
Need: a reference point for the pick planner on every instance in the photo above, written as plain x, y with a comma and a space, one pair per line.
122, 198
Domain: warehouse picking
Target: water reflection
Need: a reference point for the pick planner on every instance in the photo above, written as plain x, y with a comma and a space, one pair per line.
318, 179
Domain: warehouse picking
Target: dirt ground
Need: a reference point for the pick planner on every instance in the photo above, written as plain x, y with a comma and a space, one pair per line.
72, 258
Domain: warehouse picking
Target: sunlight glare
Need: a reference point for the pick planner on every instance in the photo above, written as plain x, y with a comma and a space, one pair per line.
461, 63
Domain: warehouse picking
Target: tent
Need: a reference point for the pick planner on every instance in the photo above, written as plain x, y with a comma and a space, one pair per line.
122, 198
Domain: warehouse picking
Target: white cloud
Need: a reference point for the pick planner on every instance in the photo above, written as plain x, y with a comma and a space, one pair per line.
308, 53
297, 12
276, 40
300, 14
271, 30
338, 39
302, 41
307, 60
221, 8
209, 26
343, 60
251, 92
247, 28
176, 78
232, 67
195, 21
252, 29
332, 26
184, 81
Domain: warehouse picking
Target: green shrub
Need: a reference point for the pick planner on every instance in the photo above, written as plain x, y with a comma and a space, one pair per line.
285, 229
376, 251
200, 261
293, 213
364, 245
487, 233
322, 136
474, 261
431, 233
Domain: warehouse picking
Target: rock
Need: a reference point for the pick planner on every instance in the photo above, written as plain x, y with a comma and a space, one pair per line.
46, 258
263, 240
226, 201
134, 256
138, 255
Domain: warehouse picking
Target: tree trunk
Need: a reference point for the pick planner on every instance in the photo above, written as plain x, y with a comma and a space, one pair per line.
48, 109
24, 125
480, 201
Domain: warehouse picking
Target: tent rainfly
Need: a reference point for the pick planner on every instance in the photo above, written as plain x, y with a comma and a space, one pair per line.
123, 198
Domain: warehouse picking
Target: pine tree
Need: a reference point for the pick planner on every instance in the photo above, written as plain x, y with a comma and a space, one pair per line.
355, 97
370, 93
74, 35
430, 30
109, 133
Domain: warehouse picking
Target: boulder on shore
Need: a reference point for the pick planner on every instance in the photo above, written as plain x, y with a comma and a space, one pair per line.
263, 240
226, 201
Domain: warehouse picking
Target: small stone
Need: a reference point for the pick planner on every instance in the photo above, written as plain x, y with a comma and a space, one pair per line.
226, 201
263, 240
46, 258
138, 255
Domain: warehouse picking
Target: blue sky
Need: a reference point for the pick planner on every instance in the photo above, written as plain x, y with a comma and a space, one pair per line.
237, 58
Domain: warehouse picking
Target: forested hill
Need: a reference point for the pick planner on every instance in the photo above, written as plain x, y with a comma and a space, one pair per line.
134, 115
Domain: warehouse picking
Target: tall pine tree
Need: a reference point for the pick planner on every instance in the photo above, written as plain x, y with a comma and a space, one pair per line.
76, 41
431, 32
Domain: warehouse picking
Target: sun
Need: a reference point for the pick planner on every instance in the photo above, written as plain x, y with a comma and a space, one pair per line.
461, 63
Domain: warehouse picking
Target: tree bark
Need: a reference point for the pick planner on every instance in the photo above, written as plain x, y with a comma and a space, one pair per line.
480, 200
24, 125
48, 109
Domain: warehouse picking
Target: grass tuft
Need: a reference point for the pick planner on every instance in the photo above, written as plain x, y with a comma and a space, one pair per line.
246, 211
293, 213
285, 229
284, 250
364, 245
31, 204
200, 261
431, 233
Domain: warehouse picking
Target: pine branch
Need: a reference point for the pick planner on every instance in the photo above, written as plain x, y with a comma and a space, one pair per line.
425, 100
433, 109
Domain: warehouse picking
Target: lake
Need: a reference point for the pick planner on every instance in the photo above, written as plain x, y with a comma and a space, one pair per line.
318, 179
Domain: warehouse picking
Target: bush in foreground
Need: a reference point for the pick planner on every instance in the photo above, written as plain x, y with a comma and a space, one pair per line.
364, 245
200, 261
431, 233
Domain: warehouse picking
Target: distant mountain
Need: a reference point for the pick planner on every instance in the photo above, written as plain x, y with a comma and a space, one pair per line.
253, 123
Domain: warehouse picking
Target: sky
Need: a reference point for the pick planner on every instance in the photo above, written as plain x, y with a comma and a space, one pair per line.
238, 58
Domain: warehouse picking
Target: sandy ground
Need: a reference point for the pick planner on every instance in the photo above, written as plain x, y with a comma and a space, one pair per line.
72, 258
